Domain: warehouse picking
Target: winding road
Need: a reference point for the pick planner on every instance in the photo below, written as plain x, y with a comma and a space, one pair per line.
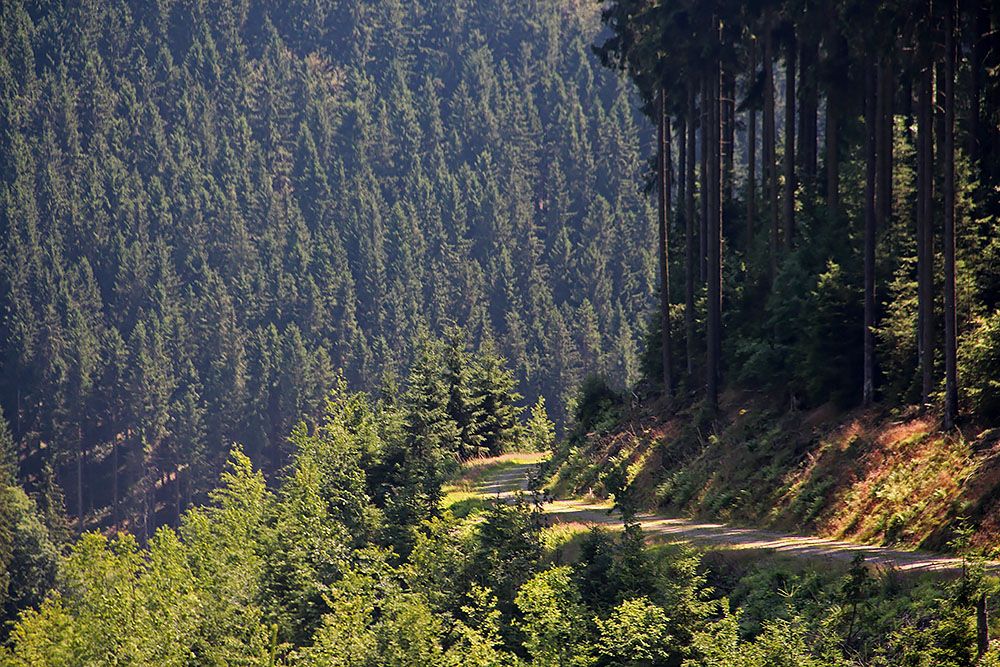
511, 480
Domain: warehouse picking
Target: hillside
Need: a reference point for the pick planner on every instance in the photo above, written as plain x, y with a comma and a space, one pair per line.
873, 476
210, 210
308, 308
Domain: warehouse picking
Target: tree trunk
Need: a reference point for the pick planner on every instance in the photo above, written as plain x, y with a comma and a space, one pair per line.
115, 517
770, 166
939, 105
788, 218
714, 242
663, 177
178, 504
982, 626
808, 109
681, 186
871, 114
980, 23
703, 195
144, 489
989, 138
689, 236
879, 137
832, 158
925, 233
751, 188
950, 310
885, 149
728, 104
834, 49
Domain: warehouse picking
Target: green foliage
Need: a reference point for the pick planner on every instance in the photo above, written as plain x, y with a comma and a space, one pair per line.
555, 623
311, 548
479, 642
636, 633
508, 549
300, 575
28, 556
539, 431
980, 366
457, 404
597, 405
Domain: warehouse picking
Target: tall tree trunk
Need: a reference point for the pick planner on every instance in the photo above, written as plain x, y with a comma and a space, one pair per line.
885, 148
950, 310
751, 188
178, 504
714, 242
989, 138
808, 108
681, 179
770, 162
832, 158
834, 52
939, 104
703, 192
145, 490
871, 114
689, 235
728, 103
982, 626
788, 217
980, 27
925, 234
663, 177
879, 137
115, 516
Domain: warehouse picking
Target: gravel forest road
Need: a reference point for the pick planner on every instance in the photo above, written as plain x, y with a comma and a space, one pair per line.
512, 479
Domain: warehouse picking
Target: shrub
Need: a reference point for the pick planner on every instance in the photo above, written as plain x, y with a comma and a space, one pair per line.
979, 357
598, 404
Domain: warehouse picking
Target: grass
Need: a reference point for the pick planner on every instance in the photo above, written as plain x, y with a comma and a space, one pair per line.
462, 495
561, 541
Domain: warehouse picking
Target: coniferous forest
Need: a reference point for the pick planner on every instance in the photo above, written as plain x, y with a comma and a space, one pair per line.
289, 290
212, 209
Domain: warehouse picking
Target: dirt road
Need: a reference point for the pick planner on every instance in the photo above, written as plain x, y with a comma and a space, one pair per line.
510, 480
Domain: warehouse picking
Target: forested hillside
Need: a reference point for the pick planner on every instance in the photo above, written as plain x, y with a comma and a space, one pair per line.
290, 292
827, 352
208, 209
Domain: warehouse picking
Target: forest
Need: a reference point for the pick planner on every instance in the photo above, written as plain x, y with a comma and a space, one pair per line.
867, 276
208, 210
360, 555
287, 289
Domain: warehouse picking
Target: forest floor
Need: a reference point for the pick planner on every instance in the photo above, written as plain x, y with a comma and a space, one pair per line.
504, 479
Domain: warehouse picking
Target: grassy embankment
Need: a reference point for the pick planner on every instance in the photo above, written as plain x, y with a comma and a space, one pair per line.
872, 476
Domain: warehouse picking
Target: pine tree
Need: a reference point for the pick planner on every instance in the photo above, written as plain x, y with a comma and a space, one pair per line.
493, 387
466, 402
539, 431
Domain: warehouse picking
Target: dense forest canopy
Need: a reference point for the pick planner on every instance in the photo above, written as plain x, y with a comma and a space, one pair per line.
209, 209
